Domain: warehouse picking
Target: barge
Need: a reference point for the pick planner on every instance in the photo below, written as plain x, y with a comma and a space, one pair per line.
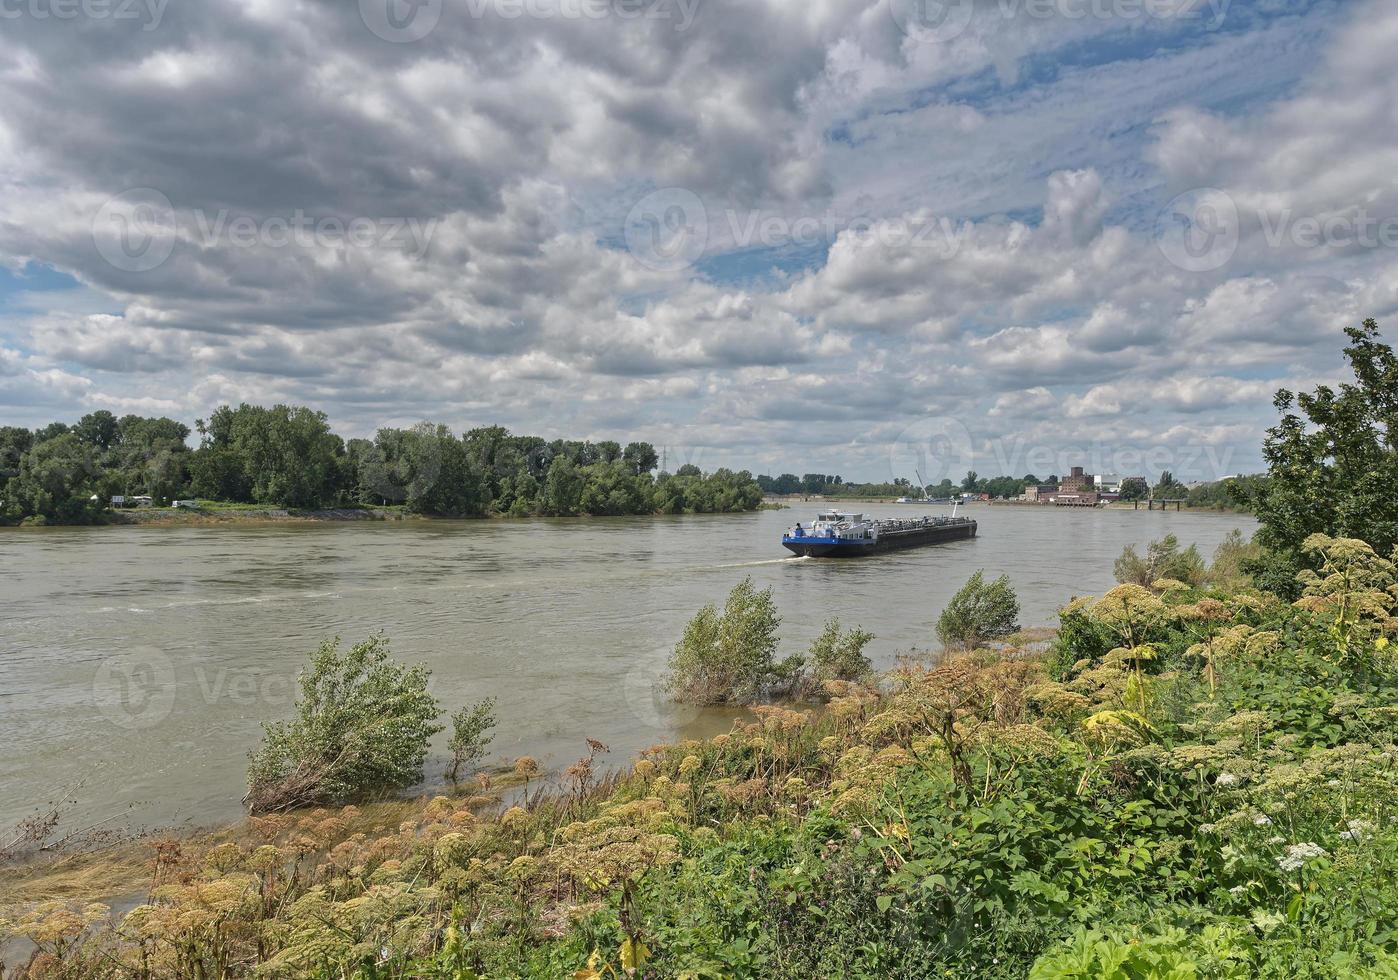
834, 534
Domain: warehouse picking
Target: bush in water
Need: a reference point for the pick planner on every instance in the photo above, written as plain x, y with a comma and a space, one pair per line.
362, 725
979, 612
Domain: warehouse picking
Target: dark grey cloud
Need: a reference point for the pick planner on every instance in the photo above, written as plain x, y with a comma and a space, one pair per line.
518, 145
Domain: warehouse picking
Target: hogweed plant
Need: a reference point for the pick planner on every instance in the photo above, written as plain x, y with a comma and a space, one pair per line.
1354, 592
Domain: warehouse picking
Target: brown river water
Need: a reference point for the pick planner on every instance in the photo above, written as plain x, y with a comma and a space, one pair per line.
138, 663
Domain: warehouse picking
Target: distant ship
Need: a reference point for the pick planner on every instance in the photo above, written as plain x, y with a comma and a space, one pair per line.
834, 534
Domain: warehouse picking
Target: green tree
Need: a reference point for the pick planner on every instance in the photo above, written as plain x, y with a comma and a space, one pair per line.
614, 488
470, 735
1164, 559
426, 468
98, 429
362, 726
285, 455
1135, 488
1332, 463
563, 488
641, 457
51, 431
979, 612
838, 655
1168, 487
57, 481
149, 455
218, 473
730, 657
1231, 559
14, 443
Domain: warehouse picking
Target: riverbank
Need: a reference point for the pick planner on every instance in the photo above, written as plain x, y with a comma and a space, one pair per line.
1186, 782
251, 515
254, 514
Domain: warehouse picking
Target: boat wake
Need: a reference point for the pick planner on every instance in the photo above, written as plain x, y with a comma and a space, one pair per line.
766, 561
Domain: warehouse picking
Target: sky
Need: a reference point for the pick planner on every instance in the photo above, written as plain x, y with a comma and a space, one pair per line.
866, 237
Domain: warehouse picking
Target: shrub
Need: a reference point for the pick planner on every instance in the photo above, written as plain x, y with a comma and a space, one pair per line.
1163, 560
730, 657
1231, 559
362, 725
979, 612
1213, 952
839, 656
470, 735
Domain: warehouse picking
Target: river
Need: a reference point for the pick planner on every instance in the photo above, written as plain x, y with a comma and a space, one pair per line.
138, 662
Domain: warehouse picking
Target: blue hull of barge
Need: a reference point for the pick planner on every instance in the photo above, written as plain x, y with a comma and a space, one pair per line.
826, 547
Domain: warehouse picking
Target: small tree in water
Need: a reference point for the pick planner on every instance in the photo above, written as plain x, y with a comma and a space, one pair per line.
979, 612
835, 655
838, 655
470, 735
361, 728
730, 658
1163, 560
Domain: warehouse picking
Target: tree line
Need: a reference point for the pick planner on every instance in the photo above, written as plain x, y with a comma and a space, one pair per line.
1216, 495
287, 456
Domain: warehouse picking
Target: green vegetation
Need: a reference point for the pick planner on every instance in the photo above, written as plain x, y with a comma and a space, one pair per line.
1229, 494
838, 655
287, 457
979, 612
1163, 560
1134, 488
470, 736
1168, 488
730, 657
361, 728
1333, 465
835, 486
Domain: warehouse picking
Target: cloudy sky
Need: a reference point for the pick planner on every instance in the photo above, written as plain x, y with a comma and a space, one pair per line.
807, 235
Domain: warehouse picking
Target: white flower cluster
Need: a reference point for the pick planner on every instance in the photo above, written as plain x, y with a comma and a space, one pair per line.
1226, 779
1262, 820
1358, 830
1298, 854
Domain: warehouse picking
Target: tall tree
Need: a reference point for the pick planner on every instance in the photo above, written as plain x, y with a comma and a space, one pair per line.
14, 443
1135, 488
563, 489
640, 456
57, 480
1332, 462
98, 429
